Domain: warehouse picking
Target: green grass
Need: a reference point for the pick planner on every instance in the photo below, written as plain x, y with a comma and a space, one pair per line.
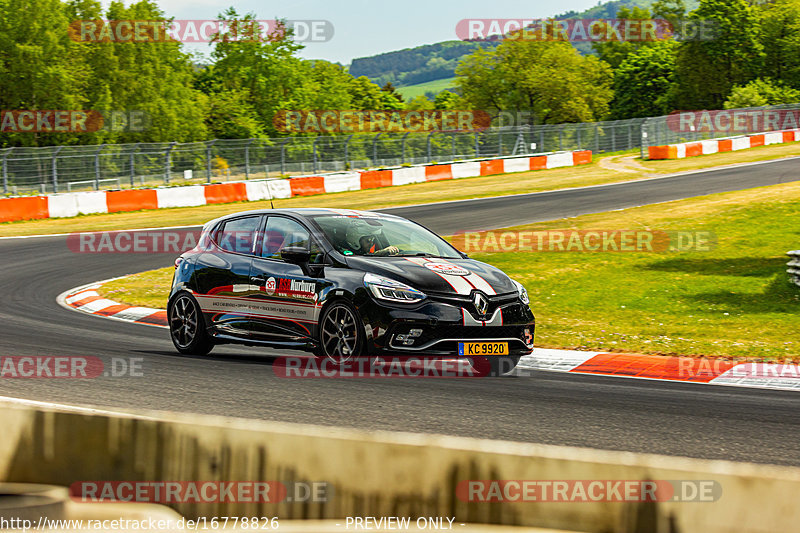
480, 187
410, 92
732, 301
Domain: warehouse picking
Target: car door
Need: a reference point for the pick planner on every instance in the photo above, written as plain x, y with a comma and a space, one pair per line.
223, 275
288, 297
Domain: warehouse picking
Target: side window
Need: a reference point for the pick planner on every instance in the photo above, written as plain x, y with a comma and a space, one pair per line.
283, 232
238, 235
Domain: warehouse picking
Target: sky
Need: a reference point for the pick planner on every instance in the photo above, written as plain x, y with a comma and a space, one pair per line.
364, 28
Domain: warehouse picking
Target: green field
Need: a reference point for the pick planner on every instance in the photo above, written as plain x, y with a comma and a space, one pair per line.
734, 300
410, 92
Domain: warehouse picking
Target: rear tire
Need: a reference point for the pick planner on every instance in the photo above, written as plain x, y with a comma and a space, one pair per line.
187, 326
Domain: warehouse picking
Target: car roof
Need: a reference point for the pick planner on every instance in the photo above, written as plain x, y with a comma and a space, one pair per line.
305, 212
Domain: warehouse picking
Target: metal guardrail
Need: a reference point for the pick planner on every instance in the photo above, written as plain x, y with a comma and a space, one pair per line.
660, 131
26, 170
794, 267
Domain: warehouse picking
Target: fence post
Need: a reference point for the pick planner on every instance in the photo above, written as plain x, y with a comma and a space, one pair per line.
613, 138
630, 137
477, 147
97, 167
347, 152
560, 138
578, 130
168, 162
55, 168
403, 149
209, 145
283, 156
596, 138
247, 159
5, 170
428, 147
643, 132
133, 164
316, 161
500, 143
375, 149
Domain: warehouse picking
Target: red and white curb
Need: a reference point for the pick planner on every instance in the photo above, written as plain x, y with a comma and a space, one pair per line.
776, 376
121, 201
666, 368
87, 300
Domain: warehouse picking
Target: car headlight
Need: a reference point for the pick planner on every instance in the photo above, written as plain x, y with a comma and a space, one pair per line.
523, 294
391, 290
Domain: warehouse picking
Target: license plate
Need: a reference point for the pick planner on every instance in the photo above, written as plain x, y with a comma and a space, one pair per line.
482, 348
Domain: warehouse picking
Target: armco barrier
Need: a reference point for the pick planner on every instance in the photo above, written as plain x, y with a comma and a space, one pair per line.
713, 146
84, 203
381, 473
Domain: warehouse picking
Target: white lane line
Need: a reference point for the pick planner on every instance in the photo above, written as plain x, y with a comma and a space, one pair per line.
93, 232
583, 187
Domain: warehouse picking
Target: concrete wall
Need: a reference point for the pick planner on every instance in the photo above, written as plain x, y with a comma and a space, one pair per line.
381, 473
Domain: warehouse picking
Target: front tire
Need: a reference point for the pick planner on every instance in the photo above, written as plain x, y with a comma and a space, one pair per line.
187, 326
341, 335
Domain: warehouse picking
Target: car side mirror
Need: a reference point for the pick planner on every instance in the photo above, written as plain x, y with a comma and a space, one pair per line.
463, 255
296, 255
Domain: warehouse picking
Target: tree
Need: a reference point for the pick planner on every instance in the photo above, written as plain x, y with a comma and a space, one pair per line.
41, 67
420, 103
391, 98
643, 80
673, 11
546, 78
229, 115
266, 68
761, 92
781, 41
447, 100
614, 52
707, 69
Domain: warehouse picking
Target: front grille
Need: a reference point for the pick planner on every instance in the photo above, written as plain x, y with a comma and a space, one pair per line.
465, 301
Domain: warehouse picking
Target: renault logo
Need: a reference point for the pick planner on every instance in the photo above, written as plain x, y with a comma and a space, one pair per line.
481, 303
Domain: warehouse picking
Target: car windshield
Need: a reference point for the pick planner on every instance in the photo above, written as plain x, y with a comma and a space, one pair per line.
379, 236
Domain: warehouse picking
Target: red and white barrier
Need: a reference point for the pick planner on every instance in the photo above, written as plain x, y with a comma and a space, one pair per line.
713, 146
84, 203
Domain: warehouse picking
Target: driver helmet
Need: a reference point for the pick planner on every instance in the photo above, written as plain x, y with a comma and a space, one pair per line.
359, 235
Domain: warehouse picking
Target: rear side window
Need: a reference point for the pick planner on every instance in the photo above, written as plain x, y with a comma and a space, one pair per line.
282, 233
238, 235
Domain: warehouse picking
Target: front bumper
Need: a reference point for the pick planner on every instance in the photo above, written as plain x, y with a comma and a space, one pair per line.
441, 324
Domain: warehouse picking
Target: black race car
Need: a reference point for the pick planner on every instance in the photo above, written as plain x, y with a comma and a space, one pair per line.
344, 284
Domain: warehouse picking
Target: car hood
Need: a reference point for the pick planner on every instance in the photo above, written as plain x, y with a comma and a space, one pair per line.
434, 275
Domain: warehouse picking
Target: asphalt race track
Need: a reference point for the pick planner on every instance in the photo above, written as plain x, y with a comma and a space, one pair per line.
612, 413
